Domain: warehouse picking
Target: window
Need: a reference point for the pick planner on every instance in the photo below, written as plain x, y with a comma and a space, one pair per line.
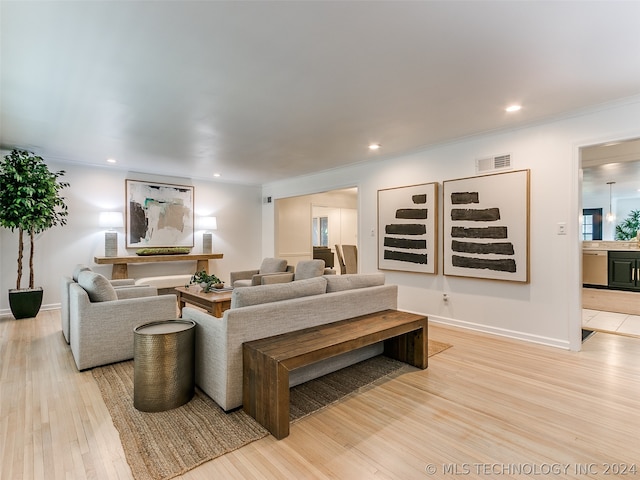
592, 224
320, 231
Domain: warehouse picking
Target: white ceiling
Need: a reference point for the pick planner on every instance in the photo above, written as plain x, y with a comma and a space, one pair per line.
260, 91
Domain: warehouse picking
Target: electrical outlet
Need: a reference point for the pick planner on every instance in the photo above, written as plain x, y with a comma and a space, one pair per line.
445, 298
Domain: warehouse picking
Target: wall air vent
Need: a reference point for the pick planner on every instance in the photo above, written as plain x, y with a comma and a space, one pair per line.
493, 164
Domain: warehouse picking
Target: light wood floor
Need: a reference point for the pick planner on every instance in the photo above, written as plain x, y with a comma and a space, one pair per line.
487, 403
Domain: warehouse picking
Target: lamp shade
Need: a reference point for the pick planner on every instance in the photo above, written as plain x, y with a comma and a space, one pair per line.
208, 223
111, 220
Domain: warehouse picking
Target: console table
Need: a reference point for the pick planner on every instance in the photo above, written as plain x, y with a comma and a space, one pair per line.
120, 269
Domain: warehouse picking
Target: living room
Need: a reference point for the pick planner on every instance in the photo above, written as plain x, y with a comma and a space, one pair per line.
541, 313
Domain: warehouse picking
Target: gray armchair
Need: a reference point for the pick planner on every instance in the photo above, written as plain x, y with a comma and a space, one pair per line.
64, 294
102, 320
269, 266
304, 269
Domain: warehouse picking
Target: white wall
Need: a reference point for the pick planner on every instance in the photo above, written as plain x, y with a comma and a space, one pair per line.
547, 310
93, 190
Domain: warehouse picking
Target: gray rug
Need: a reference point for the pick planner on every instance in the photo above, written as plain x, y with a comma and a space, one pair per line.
160, 446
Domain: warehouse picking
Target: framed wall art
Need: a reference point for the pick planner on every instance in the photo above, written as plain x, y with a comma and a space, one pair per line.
486, 226
408, 228
159, 214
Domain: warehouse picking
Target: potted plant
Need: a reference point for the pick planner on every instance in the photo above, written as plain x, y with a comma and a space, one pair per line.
629, 227
30, 202
206, 281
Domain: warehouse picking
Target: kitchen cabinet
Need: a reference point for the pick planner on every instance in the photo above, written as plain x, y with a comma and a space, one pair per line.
624, 270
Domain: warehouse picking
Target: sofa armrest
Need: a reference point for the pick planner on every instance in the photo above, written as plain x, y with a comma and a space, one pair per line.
271, 278
210, 354
136, 291
242, 275
122, 282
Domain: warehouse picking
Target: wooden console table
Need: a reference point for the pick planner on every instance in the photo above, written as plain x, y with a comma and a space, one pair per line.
120, 263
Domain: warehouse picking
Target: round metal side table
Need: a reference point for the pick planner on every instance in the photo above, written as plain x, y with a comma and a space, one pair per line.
164, 365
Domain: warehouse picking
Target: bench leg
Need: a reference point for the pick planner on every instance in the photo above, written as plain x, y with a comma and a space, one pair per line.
411, 347
265, 392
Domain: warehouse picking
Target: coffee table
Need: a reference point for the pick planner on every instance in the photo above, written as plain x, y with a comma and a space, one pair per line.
213, 302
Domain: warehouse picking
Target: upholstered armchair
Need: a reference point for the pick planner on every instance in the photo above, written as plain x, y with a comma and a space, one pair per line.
269, 266
347, 258
64, 294
350, 255
101, 319
304, 269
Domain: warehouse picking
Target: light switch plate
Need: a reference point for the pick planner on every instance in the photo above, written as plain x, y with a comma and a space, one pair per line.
562, 228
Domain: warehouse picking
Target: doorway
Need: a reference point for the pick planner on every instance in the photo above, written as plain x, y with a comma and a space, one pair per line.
319, 219
610, 179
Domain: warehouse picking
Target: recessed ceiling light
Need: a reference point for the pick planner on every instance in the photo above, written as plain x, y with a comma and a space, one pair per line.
111, 160
216, 174
513, 108
374, 146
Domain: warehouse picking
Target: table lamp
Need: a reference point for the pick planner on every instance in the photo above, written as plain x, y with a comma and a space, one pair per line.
208, 224
111, 220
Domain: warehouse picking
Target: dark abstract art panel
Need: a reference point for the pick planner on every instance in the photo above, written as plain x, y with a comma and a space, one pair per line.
486, 226
407, 228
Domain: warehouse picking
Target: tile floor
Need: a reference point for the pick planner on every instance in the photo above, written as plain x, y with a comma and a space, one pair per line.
611, 322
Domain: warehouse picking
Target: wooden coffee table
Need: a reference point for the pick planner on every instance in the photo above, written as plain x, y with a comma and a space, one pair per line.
213, 302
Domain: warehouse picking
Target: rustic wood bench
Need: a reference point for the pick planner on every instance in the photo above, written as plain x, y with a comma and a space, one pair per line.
268, 361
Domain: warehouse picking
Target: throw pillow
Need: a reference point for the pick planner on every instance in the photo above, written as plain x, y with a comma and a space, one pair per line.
97, 286
273, 265
309, 269
79, 268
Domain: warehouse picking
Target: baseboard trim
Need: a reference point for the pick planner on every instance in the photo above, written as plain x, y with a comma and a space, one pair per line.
6, 312
502, 332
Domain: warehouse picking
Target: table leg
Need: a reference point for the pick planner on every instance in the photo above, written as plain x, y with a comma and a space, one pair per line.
181, 304
202, 265
119, 271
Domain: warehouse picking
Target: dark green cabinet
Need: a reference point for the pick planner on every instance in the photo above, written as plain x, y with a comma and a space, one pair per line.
624, 270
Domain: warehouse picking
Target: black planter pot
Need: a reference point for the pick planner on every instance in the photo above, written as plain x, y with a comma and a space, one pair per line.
25, 303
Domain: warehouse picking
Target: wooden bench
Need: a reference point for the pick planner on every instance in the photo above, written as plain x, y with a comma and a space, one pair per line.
268, 361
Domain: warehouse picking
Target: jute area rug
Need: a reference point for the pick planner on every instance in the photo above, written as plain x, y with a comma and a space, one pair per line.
160, 446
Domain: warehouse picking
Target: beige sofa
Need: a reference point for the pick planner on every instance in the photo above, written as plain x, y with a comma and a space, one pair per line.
267, 310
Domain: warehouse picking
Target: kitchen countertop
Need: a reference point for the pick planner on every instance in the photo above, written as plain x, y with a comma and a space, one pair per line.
606, 246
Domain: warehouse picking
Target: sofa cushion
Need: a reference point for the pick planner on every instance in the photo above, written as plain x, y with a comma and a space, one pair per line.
309, 269
79, 268
97, 286
244, 297
273, 265
337, 283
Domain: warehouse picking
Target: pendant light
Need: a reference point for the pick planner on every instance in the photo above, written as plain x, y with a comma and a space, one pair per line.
610, 215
